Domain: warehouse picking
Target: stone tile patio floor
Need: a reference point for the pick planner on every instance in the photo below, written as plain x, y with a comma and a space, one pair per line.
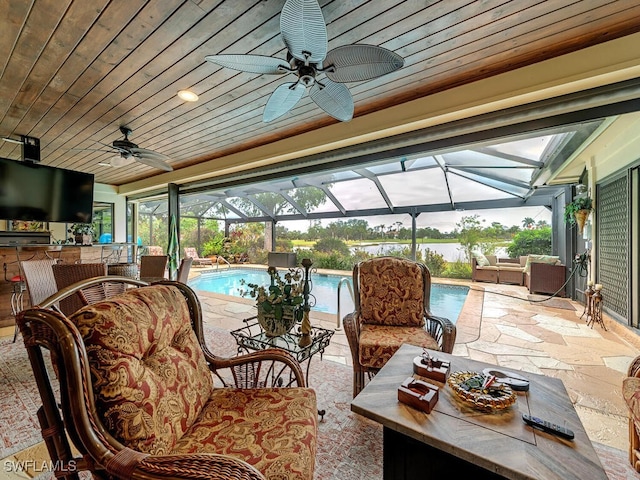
499, 325
497, 328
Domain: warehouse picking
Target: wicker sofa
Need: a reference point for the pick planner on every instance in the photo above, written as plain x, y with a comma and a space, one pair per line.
539, 273
489, 268
142, 397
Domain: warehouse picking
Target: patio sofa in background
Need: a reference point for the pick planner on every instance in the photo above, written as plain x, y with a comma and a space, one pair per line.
539, 273
489, 268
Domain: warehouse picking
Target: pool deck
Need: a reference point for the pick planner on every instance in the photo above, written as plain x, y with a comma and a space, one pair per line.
499, 325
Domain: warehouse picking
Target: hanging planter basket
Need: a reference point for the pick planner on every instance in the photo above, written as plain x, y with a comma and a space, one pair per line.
581, 219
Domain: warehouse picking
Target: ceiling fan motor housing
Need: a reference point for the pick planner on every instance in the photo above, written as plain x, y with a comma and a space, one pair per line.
307, 75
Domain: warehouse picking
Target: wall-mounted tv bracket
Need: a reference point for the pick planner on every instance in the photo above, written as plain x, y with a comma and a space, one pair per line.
30, 147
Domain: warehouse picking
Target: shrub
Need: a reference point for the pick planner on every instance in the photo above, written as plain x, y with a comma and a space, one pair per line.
334, 245
531, 242
214, 246
457, 269
435, 262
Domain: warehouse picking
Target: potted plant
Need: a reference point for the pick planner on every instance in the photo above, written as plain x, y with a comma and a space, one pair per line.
577, 211
82, 233
280, 303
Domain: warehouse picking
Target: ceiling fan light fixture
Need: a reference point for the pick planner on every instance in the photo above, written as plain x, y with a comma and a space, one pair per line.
121, 160
188, 96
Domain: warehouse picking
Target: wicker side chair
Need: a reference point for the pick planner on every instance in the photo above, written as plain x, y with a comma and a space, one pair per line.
67, 274
39, 279
391, 308
142, 397
152, 267
184, 269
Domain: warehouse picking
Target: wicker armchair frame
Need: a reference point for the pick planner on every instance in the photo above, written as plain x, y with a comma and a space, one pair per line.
545, 278
634, 423
440, 328
67, 274
75, 416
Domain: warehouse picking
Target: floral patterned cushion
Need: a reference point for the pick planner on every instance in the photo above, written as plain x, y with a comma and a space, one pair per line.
273, 429
148, 371
631, 395
391, 292
378, 343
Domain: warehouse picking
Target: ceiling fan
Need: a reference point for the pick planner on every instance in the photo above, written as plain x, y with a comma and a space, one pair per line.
304, 33
129, 151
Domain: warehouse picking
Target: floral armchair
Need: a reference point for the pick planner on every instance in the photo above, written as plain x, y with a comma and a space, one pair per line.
631, 395
391, 308
142, 397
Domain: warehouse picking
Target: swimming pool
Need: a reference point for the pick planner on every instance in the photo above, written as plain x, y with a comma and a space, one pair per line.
446, 300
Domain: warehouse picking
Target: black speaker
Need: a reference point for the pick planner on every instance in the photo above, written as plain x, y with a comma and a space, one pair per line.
30, 149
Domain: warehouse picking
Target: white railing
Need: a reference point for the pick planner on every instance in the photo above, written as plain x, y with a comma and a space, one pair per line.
338, 314
224, 260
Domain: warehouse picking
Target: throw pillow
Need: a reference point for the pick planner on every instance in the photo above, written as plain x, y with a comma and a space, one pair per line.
481, 260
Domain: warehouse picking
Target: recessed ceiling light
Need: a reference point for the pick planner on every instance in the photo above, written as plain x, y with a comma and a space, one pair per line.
188, 96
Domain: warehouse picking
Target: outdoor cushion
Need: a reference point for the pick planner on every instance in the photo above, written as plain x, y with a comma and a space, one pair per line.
514, 268
149, 373
378, 343
481, 260
273, 429
490, 267
547, 259
391, 293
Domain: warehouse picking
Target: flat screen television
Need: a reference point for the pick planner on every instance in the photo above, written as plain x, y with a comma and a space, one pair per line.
40, 193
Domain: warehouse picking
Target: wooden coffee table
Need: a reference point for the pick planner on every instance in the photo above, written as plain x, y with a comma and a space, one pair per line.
457, 441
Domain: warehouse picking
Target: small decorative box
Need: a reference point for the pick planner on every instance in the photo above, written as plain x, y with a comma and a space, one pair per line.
418, 394
430, 367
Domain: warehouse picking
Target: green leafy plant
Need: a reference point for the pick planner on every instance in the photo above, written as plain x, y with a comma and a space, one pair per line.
531, 241
81, 229
580, 203
281, 293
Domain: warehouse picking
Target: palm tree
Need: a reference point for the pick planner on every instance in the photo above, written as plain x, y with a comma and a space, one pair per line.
528, 223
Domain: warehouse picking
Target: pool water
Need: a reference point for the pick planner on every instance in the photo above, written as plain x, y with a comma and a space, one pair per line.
446, 300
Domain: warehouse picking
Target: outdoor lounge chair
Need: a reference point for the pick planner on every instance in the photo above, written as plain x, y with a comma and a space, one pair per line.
391, 308
142, 397
197, 261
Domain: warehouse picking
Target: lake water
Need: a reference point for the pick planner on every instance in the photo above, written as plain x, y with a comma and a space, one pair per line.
450, 251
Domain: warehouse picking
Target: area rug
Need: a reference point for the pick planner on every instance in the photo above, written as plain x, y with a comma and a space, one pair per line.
554, 302
19, 399
349, 446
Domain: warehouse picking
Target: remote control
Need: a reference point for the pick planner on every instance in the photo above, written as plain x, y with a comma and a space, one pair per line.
549, 427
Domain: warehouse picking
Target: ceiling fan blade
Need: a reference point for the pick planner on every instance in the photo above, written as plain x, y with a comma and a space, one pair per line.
143, 152
282, 100
355, 63
333, 98
304, 30
151, 158
251, 63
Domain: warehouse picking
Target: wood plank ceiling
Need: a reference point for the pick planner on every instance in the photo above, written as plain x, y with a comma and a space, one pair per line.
74, 71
